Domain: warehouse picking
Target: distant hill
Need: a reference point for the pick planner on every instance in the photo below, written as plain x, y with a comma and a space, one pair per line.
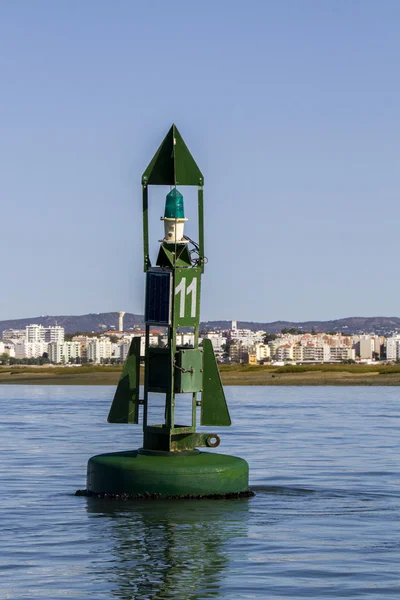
353, 325
102, 321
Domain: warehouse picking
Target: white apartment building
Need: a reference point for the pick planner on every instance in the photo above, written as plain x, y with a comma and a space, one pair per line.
262, 351
258, 336
393, 348
7, 349
274, 344
184, 339
339, 353
55, 353
298, 353
238, 352
34, 333
284, 352
26, 349
13, 334
98, 350
313, 353
244, 336
124, 350
54, 334
62, 353
115, 351
38, 333
125, 343
217, 340
316, 353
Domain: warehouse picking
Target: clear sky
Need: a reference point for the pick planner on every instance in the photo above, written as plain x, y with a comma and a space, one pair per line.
290, 108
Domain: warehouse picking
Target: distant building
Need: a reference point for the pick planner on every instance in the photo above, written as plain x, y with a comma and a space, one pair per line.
99, 350
366, 347
124, 350
238, 353
185, 339
245, 336
340, 353
393, 348
262, 352
217, 339
298, 353
62, 353
316, 353
7, 349
10, 335
24, 349
38, 333
253, 358
284, 352
125, 343
54, 334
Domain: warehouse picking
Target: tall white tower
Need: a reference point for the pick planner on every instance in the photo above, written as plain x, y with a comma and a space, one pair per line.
121, 315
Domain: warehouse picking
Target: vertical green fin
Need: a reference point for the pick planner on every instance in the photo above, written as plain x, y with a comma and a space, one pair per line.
214, 410
125, 406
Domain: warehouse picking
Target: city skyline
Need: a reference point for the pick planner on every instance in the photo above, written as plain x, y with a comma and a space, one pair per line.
43, 345
98, 322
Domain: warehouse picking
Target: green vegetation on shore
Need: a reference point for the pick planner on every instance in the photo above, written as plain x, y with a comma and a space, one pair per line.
381, 368
321, 374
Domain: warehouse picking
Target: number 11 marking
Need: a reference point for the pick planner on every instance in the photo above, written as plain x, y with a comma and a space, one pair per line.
191, 289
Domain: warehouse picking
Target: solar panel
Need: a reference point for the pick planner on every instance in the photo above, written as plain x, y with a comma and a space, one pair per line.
158, 297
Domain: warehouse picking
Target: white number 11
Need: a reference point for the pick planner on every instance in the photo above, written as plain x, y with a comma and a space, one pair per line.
191, 289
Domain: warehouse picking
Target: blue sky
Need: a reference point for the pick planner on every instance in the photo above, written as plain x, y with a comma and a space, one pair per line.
291, 110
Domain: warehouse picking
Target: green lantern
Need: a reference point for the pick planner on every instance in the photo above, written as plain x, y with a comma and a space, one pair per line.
174, 205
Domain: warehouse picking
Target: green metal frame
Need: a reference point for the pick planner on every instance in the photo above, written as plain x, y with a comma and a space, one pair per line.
172, 165
166, 371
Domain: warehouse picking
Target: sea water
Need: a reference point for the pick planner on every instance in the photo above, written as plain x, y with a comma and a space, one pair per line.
324, 523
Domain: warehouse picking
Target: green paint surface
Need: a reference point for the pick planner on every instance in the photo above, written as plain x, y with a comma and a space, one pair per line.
172, 164
186, 297
125, 406
197, 474
214, 409
189, 370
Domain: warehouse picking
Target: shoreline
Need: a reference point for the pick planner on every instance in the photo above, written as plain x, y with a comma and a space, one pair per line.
315, 375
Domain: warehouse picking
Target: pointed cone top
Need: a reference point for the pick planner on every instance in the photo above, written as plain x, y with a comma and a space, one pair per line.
173, 164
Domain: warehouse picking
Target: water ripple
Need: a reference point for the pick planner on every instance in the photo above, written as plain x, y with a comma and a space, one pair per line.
324, 523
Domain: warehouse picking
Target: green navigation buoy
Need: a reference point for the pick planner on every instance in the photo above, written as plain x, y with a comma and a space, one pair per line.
169, 464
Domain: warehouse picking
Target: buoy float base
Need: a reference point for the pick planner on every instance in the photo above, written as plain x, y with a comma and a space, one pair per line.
167, 474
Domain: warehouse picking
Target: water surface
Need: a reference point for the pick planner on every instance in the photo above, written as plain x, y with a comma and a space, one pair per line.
325, 521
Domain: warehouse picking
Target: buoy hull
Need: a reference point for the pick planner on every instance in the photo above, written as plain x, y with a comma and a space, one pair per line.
197, 474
